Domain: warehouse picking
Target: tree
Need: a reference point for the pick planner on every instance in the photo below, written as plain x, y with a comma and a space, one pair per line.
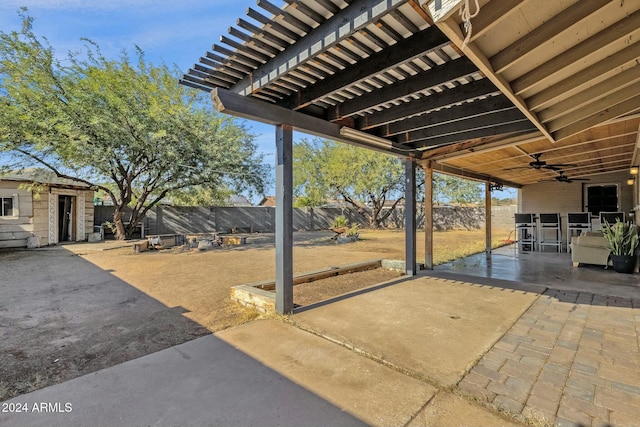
124, 127
363, 178
453, 189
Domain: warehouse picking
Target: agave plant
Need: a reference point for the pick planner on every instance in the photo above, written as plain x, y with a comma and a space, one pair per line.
622, 237
340, 221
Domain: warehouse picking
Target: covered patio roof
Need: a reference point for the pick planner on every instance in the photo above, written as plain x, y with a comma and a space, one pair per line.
522, 91
558, 79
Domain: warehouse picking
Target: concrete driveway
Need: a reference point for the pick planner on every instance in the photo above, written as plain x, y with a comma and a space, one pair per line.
61, 316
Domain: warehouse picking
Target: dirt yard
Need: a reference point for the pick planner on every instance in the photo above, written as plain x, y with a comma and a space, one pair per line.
70, 310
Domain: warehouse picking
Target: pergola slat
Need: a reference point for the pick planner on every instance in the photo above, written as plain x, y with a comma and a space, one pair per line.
352, 18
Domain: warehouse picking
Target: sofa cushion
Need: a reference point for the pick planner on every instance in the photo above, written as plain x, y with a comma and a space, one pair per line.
592, 241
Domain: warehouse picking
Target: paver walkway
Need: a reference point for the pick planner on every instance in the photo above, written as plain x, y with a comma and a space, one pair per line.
573, 357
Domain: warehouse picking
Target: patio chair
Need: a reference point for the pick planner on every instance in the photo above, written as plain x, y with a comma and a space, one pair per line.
550, 232
577, 222
527, 231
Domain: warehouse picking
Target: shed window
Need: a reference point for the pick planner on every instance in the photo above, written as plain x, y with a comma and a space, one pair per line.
7, 207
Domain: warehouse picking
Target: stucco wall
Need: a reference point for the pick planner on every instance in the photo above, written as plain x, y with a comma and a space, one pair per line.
14, 231
35, 219
552, 197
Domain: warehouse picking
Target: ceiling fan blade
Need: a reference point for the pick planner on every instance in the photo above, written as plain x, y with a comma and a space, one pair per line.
560, 165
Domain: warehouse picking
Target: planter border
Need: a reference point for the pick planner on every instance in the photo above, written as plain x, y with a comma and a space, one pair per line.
260, 295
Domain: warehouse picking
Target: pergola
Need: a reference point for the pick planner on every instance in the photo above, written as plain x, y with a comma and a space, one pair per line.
558, 78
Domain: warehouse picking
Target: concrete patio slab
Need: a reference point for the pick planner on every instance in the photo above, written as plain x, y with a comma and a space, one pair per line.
370, 391
449, 410
204, 382
434, 328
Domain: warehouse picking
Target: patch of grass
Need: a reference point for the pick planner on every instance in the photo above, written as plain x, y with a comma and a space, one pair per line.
452, 245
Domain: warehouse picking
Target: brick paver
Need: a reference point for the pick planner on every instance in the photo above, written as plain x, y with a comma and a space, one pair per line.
572, 358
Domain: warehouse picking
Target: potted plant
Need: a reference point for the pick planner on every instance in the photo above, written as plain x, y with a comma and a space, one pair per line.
623, 241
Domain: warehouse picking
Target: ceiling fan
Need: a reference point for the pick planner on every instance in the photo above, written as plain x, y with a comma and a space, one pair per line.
563, 178
538, 164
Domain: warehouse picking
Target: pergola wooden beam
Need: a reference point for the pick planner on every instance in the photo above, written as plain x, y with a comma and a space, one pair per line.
380, 62
499, 129
421, 82
475, 89
237, 105
448, 115
467, 124
462, 173
451, 29
341, 25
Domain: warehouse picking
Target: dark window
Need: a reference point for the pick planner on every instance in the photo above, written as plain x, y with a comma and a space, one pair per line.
602, 198
7, 206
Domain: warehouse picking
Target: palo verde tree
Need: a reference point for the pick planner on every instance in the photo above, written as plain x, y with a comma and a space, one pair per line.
363, 178
123, 126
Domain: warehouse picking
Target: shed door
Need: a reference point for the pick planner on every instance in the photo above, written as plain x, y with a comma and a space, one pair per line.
65, 218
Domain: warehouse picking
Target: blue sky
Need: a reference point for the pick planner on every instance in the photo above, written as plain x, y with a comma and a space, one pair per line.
171, 31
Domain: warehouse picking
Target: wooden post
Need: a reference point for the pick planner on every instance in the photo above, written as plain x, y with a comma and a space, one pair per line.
284, 219
410, 216
428, 216
487, 207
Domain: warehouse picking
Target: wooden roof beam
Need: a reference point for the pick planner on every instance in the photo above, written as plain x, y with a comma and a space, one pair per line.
629, 106
492, 14
463, 173
600, 90
253, 41
475, 147
560, 159
598, 105
582, 78
287, 17
452, 30
228, 102
544, 33
618, 32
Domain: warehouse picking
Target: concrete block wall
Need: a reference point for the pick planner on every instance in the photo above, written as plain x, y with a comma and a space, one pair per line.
171, 219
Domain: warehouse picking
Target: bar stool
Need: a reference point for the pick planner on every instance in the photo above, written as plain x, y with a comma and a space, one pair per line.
577, 222
550, 232
527, 231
